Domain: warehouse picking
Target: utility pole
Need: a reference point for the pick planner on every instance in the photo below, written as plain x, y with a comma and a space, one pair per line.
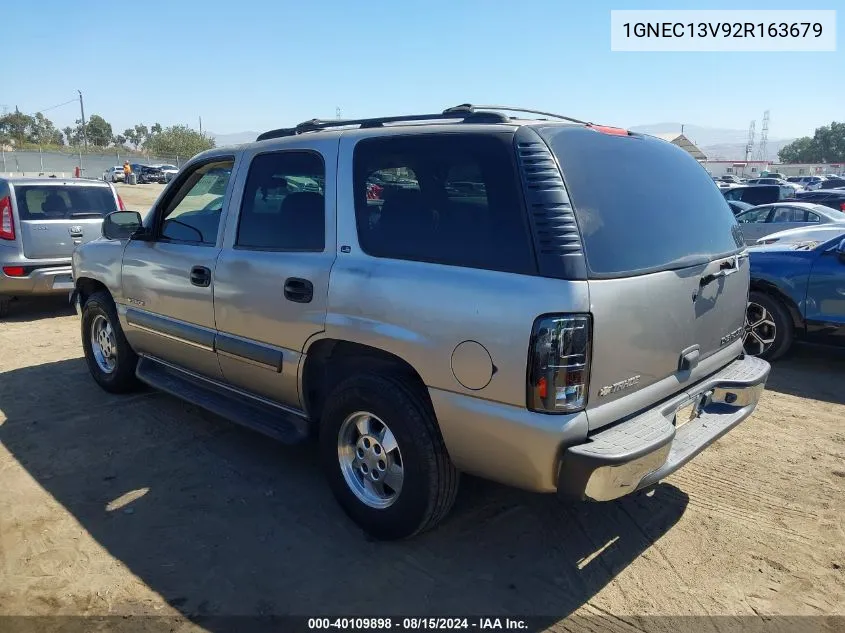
82, 110
200, 125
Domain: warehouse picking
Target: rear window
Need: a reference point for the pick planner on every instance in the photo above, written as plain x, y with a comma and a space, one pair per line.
659, 210
58, 202
450, 199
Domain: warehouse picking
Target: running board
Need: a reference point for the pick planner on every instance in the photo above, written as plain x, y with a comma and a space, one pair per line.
271, 420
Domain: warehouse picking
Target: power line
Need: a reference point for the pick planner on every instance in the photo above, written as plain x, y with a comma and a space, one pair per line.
75, 99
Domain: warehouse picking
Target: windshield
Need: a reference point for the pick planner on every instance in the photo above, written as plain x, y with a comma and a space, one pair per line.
58, 202
634, 222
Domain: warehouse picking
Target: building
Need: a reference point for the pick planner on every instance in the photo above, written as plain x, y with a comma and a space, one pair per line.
757, 168
684, 143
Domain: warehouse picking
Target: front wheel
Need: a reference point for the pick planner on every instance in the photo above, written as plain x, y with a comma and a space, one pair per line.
768, 329
110, 359
384, 458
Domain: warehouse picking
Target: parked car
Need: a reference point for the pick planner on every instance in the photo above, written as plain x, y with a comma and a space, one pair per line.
41, 221
730, 179
811, 182
738, 207
774, 174
766, 219
776, 181
832, 183
758, 194
806, 235
114, 174
146, 174
833, 198
796, 294
169, 171
444, 328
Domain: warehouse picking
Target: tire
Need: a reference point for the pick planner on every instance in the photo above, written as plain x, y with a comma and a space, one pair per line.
121, 379
775, 325
430, 480
5, 302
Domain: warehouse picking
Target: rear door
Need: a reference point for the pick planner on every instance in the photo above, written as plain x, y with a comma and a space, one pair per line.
786, 217
271, 283
55, 218
825, 305
667, 284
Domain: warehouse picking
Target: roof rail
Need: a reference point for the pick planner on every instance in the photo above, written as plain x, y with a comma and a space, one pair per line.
466, 113
315, 125
470, 107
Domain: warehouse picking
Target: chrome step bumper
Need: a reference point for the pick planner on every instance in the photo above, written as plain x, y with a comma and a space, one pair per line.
641, 451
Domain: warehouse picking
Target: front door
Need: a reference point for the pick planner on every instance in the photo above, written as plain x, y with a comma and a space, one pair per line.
168, 279
272, 278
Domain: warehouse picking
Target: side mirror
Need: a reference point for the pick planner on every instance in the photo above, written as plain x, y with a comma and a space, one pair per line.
121, 225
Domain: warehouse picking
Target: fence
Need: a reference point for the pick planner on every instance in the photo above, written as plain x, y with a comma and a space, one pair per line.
61, 164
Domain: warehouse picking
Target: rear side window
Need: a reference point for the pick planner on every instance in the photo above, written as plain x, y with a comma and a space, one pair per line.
450, 199
658, 210
58, 202
283, 206
788, 214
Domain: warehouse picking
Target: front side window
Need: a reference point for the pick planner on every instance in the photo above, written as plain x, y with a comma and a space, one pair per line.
193, 214
447, 199
283, 207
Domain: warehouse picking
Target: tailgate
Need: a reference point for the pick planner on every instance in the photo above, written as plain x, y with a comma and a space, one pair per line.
668, 278
45, 239
57, 216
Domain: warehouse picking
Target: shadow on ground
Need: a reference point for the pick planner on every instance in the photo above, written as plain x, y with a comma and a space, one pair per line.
810, 371
25, 309
235, 524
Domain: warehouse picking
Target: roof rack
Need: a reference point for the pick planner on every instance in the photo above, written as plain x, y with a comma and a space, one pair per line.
466, 113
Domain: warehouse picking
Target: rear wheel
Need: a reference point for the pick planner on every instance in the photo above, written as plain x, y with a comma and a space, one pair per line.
111, 360
384, 457
768, 328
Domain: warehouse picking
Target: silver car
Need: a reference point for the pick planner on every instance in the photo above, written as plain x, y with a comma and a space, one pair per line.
435, 294
41, 221
763, 220
811, 234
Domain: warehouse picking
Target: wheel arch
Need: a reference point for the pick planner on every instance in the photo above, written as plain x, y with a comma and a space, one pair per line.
768, 288
86, 286
328, 361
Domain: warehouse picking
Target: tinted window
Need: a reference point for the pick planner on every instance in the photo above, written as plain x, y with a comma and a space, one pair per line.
283, 206
812, 217
754, 216
57, 202
788, 214
635, 221
193, 213
450, 199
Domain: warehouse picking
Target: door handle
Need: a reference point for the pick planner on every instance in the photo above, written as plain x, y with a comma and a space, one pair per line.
201, 276
298, 290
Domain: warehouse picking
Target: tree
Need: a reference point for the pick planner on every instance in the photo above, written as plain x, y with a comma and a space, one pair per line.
141, 135
120, 140
179, 140
68, 131
98, 131
827, 145
43, 132
16, 126
155, 128
131, 136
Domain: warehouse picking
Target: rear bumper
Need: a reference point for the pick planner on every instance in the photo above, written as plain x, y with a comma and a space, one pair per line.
40, 280
641, 451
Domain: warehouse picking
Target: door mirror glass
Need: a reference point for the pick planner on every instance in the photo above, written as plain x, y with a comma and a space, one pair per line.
121, 225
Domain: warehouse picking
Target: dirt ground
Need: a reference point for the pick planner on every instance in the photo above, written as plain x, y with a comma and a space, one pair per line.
143, 504
138, 197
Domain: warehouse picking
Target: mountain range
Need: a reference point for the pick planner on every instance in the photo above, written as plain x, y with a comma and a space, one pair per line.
716, 143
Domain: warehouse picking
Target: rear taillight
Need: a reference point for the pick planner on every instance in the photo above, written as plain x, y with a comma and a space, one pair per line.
842, 206
120, 204
14, 271
7, 224
559, 363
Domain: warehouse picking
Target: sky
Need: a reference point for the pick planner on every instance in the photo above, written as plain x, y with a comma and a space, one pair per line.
258, 65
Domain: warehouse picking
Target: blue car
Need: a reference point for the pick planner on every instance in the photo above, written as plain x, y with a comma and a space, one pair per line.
797, 293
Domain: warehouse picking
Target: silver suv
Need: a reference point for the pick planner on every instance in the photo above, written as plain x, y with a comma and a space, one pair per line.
41, 221
436, 294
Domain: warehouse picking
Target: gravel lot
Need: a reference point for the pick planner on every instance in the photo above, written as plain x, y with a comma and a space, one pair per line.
145, 505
